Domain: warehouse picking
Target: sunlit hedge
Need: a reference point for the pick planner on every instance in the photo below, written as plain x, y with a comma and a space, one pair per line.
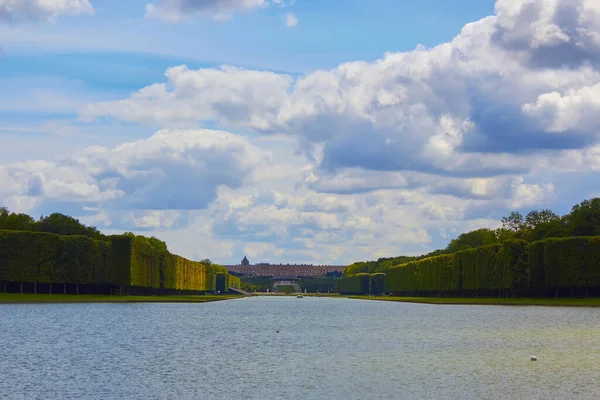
488, 268
565, 263
124, 261
45, 258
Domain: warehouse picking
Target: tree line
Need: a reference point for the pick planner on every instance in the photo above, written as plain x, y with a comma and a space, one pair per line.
582, 220
65, 225
539, 254
57, 253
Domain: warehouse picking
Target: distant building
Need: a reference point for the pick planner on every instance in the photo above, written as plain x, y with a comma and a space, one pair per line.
275, 270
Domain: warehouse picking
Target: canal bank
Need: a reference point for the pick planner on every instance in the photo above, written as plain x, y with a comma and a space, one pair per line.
16, 298
556, 302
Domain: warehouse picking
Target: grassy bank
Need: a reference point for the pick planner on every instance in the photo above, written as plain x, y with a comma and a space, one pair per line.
15, 298
561, 302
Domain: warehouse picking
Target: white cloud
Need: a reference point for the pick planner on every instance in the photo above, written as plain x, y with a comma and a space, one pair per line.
42, 9
576, 109
290, 20
472, 107
176, 10
367, 159
172, 170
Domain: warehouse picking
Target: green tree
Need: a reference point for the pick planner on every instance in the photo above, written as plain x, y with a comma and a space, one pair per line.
4, 212
476, 238
543, 224
584, 219
157, 243
65, 225
16, 222
514, 222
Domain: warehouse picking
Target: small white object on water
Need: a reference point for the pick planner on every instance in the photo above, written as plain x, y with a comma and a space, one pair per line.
533, 358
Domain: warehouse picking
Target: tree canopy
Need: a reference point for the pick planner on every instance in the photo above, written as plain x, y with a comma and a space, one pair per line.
583, 220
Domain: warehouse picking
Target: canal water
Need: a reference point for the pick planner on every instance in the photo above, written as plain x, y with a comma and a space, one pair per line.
289, 348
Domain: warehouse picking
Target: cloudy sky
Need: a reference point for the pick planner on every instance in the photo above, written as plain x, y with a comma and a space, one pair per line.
298, 131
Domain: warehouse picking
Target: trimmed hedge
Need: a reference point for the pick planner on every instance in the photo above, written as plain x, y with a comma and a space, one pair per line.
565, 263
124, 261
49, 258
559, 266
481, 270
321, 285
356, 284
377, 283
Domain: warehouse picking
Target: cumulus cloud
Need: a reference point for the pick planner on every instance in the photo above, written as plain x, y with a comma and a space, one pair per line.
172, 170
175, 10
522, 81
290, 20
36, 10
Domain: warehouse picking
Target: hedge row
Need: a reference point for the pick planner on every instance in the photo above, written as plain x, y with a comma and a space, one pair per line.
514, 267
362, 283
321, 285
48, 258
565, 263
124, 261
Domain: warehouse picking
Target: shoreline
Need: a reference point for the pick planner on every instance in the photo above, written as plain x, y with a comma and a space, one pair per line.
539, 302
17, 298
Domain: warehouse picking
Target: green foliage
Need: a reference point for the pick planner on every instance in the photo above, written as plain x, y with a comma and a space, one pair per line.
584, 219
235, 282
494, 267
356, 284
469, 240
65, 225
377, 283
514, 222
43, 257
256, 283
566, 262
126, 261
321, 285
285, 289
429, 274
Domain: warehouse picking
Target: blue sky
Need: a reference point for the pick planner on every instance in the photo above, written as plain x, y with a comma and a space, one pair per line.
372, 129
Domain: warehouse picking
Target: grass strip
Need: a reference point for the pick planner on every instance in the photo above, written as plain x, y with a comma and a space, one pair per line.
560, 302
17, 298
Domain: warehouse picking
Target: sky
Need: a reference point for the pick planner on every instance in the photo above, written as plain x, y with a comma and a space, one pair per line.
303, 131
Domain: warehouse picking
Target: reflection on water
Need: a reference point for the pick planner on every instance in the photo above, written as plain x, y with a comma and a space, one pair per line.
325, 349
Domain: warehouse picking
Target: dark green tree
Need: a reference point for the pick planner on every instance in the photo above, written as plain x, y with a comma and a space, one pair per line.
514, 222
476, 238
15, 222
65, 225
584, 219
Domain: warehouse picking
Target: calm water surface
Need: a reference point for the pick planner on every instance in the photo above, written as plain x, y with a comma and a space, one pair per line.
325, 349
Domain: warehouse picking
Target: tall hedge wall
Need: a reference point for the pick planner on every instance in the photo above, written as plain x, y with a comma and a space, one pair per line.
356, 284
124, 261
49, 258
514, 267
488, 268
565, 263
234, 281
377, 283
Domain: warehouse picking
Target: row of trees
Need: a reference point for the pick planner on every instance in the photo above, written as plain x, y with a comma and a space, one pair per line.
62, 224
124, 261
583, 220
